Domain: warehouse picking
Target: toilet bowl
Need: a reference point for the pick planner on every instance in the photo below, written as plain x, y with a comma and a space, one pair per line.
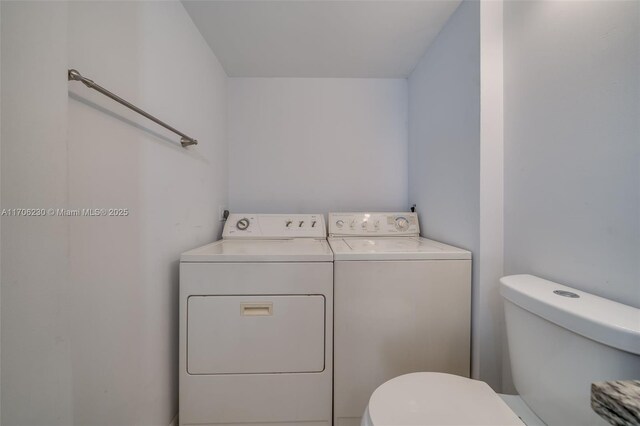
437, 399
560, 340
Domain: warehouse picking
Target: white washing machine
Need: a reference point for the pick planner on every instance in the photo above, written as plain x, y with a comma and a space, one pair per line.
256, 324
402, 304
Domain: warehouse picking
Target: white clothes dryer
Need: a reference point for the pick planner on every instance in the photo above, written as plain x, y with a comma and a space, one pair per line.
256, 324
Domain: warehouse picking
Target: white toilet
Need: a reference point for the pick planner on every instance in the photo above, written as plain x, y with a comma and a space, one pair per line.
560, 341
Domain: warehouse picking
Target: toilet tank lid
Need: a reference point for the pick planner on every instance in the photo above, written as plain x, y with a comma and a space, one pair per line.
603, 320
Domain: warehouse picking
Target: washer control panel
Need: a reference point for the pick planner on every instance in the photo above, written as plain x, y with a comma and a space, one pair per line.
381, 224
274, 226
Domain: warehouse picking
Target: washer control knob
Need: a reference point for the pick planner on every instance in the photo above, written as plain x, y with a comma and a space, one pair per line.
352, 225
377, 224
242, 224
364, 225
402, 224
288, 224
340, 223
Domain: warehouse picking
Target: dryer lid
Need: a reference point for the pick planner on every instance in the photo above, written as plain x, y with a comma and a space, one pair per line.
438, 399
292, 250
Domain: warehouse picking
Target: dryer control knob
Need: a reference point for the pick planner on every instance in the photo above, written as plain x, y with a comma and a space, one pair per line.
242, 224
402, 224
340, 223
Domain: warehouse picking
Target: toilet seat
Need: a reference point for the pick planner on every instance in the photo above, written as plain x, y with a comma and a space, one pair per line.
437, 399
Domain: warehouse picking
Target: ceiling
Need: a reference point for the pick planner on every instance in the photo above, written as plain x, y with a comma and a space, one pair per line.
320, 38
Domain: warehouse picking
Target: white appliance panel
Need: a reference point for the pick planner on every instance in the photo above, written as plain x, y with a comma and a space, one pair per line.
257, 399
274, 226
374, 224
394, 318
255, 334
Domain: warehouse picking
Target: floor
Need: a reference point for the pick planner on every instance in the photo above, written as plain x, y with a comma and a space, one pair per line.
522, 410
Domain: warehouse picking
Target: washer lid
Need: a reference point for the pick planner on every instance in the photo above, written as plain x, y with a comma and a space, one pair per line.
393, 248
293, 250
438, 399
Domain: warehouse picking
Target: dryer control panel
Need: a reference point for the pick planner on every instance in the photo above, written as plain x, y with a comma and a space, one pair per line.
274, 226
368, 224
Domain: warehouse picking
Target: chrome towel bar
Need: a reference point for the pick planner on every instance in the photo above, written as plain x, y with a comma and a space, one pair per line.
76, 76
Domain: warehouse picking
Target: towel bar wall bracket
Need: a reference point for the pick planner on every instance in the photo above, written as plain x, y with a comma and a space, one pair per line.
76, 76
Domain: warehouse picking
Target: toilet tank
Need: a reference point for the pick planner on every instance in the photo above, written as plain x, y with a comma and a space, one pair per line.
561, 340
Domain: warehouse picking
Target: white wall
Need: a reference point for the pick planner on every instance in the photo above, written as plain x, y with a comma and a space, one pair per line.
89, 312
317, 145
572, 144
444, 132
453, 159
0, 221
489, 338
571, 129
36, 338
